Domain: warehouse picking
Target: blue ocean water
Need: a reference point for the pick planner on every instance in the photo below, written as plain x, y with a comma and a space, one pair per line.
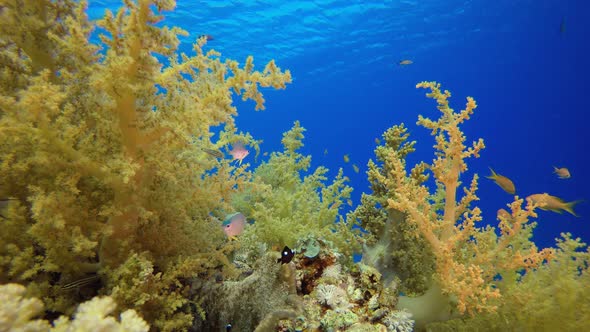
525, 63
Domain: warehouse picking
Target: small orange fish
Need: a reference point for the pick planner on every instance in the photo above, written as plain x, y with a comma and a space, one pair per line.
239, 152
562, 173
346, 158
405, 62
504, 182
552, 203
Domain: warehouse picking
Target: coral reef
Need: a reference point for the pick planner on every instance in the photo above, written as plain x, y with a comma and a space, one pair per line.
102, 154
472, 265
119, 158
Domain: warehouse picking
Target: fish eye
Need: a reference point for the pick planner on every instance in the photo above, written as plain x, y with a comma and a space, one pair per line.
227, 226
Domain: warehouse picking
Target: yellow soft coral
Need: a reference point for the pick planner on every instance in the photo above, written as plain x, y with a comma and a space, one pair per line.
103, 151
467, 258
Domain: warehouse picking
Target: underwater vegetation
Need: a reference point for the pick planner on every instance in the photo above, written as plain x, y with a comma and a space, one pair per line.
129, 202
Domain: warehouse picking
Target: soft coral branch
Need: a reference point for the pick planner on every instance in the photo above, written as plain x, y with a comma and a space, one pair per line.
468, 258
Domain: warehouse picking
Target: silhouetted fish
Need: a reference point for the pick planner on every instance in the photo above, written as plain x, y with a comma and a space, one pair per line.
562, 26
286, 256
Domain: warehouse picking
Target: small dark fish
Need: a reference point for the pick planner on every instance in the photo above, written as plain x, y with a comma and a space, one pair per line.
213, 153
562, 26
286, 256
207, 37
228, 328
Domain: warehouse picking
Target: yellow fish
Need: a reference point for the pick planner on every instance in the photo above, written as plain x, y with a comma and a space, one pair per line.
355, 168
346, 158
562, 173
552, 203
504, 182
405, 62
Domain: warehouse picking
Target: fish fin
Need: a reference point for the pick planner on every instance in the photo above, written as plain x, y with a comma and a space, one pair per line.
493, 176
569, 207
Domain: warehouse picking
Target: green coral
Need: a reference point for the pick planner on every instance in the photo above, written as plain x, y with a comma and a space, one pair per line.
333, 320
102, 152
287, 204
391, 243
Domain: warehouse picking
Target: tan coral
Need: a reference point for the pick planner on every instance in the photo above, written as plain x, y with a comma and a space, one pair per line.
467, 257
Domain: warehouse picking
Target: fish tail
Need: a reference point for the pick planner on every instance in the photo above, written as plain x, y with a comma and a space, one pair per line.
493, 176
569, 207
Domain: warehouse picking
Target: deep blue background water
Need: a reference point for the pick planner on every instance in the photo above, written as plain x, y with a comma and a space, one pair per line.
528, 78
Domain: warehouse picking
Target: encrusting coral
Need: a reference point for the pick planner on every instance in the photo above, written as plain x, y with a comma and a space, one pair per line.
101, 150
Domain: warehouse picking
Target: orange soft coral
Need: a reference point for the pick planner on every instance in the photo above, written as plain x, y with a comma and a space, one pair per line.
467, 258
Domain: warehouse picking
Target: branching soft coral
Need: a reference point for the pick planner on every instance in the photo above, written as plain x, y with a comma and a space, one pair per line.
17, 313
554, 297
102, 152
391, 243
468, 259
287, 205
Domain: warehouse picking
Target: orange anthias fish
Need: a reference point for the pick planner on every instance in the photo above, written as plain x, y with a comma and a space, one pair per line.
239, 152
552, 203
234, 225
405, 62
562, 173
504, 182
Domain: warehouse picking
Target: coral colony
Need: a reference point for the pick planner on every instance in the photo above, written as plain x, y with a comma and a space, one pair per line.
121, 211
